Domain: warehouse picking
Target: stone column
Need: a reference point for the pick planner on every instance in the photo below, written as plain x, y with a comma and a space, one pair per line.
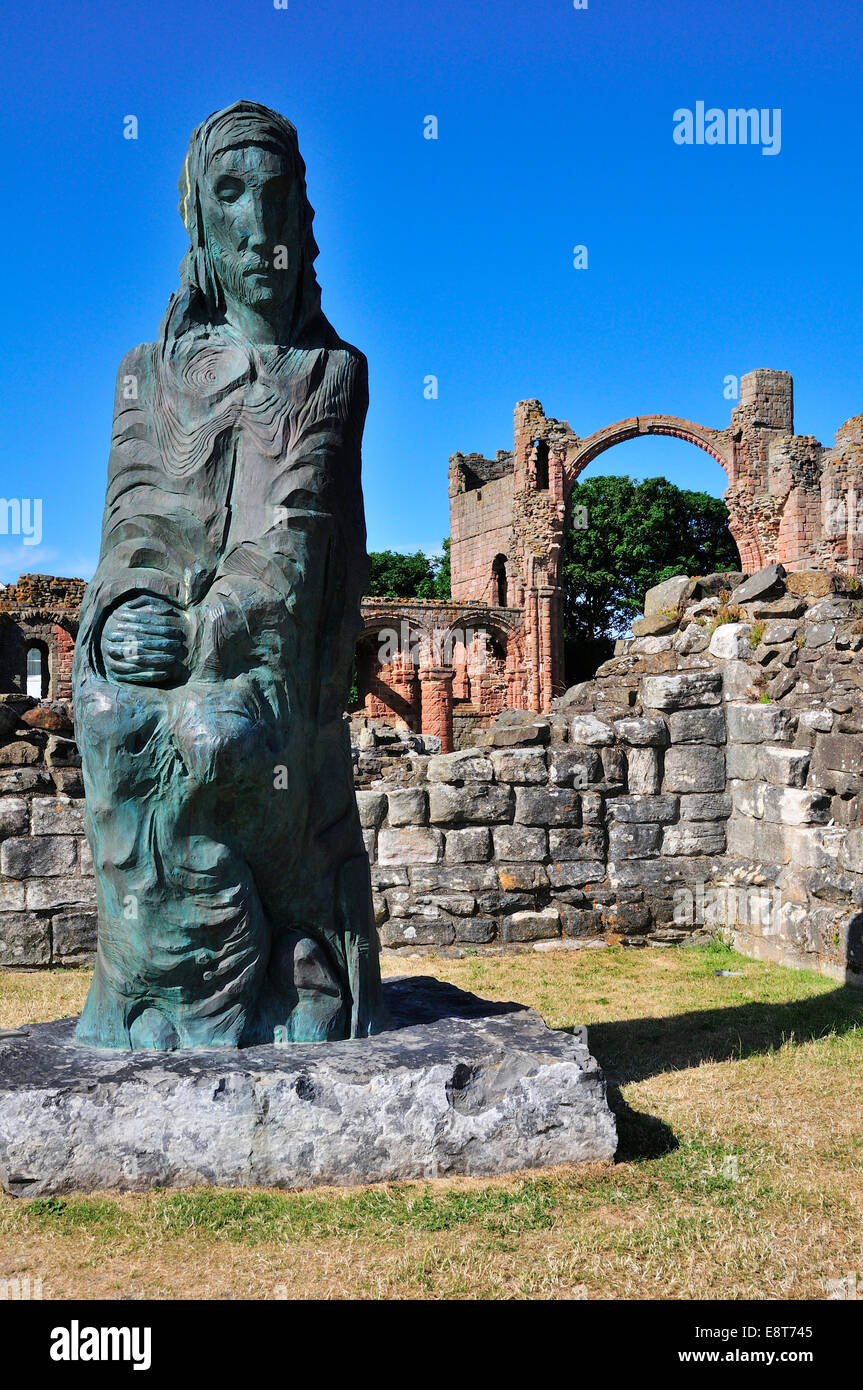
436, 703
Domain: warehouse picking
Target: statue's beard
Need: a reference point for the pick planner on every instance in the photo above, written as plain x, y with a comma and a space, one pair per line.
271, 297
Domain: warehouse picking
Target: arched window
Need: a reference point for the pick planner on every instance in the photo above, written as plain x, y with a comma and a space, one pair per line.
37, 670
498, 570
541, 447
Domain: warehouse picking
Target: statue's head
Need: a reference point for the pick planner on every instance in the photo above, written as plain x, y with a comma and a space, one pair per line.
243, 201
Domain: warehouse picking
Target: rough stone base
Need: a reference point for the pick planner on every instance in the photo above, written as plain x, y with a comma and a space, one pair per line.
458, 1085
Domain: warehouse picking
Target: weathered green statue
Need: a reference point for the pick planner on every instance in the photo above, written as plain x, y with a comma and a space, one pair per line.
214, 656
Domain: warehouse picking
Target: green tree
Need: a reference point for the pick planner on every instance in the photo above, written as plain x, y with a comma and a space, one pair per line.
443, 575
636, 535
396, 575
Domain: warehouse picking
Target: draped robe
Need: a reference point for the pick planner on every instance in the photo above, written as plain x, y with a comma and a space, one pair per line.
232, 881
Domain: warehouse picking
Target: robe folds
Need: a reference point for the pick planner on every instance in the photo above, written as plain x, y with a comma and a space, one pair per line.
232, 881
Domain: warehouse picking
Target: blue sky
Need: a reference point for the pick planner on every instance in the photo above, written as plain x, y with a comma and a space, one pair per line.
450, 257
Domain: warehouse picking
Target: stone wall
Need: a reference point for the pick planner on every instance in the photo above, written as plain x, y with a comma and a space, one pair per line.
710, 777
39, 611
47, 889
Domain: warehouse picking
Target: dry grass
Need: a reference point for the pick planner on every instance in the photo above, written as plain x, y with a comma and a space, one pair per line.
740, 1172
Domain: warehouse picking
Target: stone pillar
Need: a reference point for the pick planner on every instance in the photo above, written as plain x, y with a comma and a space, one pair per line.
436, 703
61, 665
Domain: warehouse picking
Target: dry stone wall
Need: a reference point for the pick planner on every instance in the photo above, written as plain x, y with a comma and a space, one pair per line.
710, 777
47, 888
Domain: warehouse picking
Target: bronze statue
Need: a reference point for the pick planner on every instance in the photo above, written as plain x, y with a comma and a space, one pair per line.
217, 636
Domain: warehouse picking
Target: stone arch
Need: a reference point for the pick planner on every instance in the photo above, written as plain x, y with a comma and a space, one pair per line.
493, 676
386, 689
719, 444
500, 580
714, 442
37, 668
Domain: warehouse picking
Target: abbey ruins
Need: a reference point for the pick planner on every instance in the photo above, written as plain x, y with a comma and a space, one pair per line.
710, 775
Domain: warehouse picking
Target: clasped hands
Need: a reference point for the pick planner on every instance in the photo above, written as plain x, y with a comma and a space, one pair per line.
145, 642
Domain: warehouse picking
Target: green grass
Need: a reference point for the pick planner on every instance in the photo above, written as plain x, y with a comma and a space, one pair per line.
739, 1102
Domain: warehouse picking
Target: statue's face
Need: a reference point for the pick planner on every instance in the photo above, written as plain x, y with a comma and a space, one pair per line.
251, 221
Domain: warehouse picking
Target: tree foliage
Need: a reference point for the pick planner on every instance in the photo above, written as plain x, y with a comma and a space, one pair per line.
637, 534
397, 575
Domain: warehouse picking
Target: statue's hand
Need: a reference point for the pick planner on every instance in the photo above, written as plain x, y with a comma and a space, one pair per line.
144, 642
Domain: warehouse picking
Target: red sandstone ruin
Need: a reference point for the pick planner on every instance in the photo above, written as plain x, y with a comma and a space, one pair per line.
499, 642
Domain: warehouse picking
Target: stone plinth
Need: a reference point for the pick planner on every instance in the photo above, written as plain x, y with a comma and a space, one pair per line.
457, 1085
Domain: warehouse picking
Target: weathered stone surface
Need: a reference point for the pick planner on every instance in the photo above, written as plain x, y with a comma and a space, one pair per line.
547, 806
634, 840
694, 837
705, 806
765, 583
590, 731
576, 873
574, 767
533, 926
412, 845
526, 765
578, 921
468, 846
24, 939
407, 806
13, 895
780, 631
686, 690
644, 770
62, 891
453, 878
643, 733
851, 851
25, 779
74, 937
697, 726
57, 816
456, 1085
476, 930
525, 877
694, 768
695, 637
743, 760
26, 857
501, 736
737, 678
783, 766
643, 808
19, 754
792, 807
476, 802
837, 753
668, 596
730, 640
758, 724
810, 583
466, 766
654, 626
519, 842
62, 752
417, 931
586, 843
372, 807
14, 816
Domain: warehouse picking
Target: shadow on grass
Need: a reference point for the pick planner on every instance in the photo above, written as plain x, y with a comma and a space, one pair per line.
638, 1048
